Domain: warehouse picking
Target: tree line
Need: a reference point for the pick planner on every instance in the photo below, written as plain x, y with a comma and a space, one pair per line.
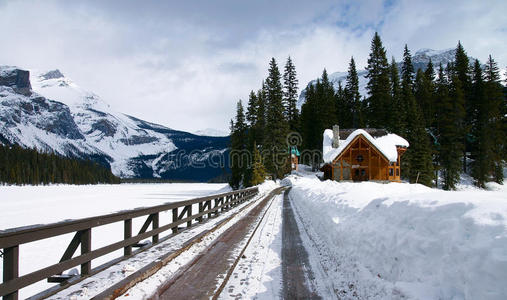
29, 166
453, 116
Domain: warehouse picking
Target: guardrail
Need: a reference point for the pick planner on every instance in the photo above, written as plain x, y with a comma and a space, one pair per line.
10, 239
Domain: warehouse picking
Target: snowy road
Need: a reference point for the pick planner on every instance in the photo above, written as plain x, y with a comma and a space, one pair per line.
276, 263
297, 273
258, 273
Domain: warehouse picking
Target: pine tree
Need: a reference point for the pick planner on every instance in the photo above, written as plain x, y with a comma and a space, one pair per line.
326, 106
419, 153
407, 68
378, 85
352, 97
343, 111
461, 68
397, 122
238, 157
496, 114
431, 105
481, 154
276, 125
407, 93
309, 123
418, 161
259, 172
261, 116
251, 131
450, 127
290, 95
251, 112
424, 96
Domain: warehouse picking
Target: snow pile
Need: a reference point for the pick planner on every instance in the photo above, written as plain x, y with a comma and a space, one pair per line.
327, 145
267, 186
395, 240
385, 144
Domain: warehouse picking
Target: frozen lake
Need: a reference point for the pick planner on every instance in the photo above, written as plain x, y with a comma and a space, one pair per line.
28, 205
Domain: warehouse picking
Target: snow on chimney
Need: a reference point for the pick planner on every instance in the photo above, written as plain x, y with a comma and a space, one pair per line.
336, 136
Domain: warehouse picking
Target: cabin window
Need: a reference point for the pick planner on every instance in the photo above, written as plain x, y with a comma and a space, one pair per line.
391, 172
336, 173
397, 172
357, 172
346, 174
363, 172
359, 158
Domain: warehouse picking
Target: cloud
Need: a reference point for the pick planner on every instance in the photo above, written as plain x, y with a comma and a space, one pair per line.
185, 64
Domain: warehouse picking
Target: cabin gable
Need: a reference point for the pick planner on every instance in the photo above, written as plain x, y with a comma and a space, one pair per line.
361, 160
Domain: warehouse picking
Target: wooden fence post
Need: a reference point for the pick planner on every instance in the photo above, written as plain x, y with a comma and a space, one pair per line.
175, 218
208, 205
189, 214
201, 209
154, 225
86, 246
11, 268
127, 233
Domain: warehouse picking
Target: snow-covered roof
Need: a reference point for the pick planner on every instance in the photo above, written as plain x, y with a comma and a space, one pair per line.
385, 144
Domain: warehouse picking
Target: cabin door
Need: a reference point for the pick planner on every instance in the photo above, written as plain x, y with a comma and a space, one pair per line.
360, 174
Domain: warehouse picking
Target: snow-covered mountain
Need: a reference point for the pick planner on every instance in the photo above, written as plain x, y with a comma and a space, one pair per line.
212, 132
48, 111
420, 60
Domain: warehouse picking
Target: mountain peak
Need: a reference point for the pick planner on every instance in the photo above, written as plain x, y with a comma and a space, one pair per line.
15, 78
423, 56
54, 74
431, 52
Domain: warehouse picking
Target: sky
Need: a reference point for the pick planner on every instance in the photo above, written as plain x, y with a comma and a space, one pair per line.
185, 64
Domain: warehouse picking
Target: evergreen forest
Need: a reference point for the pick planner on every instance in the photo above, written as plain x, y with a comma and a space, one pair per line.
28, 166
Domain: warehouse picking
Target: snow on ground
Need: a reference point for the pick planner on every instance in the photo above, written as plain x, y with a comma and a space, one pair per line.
28, 205
258, 274
148, 287
399, 240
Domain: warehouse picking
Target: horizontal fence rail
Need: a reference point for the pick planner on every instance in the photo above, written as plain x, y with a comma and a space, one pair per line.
182, 213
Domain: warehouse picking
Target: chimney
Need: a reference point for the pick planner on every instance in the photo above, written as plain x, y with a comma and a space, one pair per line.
336, 136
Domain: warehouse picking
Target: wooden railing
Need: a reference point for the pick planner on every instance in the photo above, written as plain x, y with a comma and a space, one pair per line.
181, 213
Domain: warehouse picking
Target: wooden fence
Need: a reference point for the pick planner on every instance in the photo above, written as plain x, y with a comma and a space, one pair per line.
181, 213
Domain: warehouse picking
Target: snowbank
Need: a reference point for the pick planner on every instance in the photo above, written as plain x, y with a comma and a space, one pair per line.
408, 239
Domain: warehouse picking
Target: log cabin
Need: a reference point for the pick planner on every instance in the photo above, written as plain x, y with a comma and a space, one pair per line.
362, 155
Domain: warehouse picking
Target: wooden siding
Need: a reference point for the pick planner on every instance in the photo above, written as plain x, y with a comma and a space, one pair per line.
362, 161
